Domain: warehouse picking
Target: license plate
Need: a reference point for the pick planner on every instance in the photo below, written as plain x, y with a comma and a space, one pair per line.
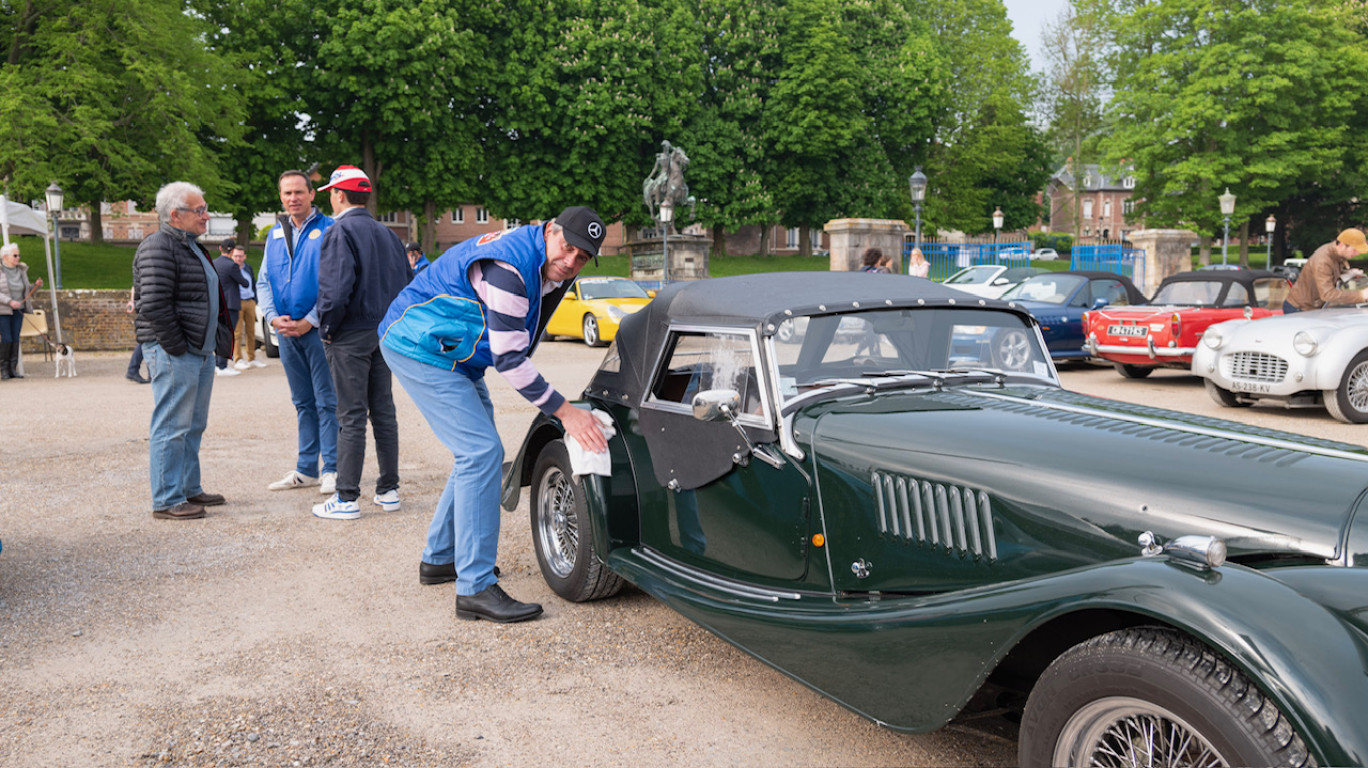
1128, 330
1250, 386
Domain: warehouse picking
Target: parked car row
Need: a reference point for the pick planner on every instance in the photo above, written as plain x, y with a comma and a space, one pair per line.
903, 510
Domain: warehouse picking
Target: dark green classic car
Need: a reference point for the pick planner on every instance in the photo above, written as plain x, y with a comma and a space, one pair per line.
902, 509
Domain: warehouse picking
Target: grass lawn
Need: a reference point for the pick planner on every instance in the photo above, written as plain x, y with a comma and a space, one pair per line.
91, 266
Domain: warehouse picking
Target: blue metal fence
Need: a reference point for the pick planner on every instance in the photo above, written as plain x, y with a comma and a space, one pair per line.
1110, 257
948, 258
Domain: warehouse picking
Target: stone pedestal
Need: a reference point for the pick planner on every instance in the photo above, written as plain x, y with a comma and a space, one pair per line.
688, 258
850, 238
1167, 252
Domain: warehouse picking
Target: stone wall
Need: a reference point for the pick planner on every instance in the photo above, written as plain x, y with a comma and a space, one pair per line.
850, 238
91, 320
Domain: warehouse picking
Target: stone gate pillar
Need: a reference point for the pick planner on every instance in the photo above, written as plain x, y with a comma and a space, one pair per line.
850, 238
1167, 252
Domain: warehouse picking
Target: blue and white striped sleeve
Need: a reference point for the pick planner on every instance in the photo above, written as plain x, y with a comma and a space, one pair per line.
501, 288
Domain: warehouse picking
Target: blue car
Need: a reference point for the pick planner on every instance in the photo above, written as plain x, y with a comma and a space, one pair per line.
1059, 299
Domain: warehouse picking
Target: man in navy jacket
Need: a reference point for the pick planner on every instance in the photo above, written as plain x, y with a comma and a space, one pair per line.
361, 268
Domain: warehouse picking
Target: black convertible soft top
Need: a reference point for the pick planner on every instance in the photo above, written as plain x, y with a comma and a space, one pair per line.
759, 302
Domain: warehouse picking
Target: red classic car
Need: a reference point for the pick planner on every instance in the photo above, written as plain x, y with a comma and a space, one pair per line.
1164, 332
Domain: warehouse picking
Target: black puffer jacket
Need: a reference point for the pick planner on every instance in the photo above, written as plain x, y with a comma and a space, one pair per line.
171, 295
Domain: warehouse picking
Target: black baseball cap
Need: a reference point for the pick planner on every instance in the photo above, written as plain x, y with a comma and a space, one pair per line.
228, 244
414, 247
583, 229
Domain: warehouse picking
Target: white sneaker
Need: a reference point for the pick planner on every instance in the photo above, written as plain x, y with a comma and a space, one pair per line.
227, 372
329, 483
292, 479
388, 501
241, 365
337, 509
258, 363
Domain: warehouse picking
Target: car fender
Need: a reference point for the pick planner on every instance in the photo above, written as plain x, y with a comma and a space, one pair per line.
611, 501
1333, 355
913, 662
1313, 663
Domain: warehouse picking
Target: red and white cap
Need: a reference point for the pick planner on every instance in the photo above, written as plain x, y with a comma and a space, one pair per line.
350, 178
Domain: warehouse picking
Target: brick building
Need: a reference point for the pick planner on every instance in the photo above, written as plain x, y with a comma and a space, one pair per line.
1105, 203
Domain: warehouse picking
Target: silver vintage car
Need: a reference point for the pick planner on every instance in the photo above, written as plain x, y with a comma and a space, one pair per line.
1303, 360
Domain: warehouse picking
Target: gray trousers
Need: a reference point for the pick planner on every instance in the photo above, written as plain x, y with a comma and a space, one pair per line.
364, 387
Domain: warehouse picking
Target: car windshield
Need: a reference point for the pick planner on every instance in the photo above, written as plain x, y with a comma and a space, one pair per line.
1047, 289
1189, 293
973, 276
949, 344
611, 289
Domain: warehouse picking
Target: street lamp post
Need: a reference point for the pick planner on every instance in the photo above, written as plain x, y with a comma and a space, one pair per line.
1270, 226
1227, 208
54, 206
916, 184
997, 228
666, 216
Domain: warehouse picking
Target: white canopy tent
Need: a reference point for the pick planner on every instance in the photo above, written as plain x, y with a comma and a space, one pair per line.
19, 219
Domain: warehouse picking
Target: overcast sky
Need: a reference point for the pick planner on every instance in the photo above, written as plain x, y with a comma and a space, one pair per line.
1028, 22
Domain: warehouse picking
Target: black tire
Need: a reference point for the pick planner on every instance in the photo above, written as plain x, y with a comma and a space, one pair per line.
1094, 701
562, 536
272, 350
1011, 350
1349, 403
590, 328
1223, 397
1133, 371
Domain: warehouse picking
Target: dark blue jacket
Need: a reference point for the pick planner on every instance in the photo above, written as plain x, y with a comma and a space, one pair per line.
230, 277
361, 268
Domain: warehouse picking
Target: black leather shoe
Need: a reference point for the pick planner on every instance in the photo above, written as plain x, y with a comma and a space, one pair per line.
429, 573
136, 377
493, 604
206, 499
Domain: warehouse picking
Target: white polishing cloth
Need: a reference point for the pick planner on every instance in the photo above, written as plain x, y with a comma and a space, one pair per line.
584, 462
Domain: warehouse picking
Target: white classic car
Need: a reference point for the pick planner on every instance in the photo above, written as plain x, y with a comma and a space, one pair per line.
1302, 360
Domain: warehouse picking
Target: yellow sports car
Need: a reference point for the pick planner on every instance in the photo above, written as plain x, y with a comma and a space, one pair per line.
593, 307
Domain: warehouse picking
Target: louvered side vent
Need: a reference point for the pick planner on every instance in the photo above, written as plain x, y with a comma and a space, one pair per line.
921, 512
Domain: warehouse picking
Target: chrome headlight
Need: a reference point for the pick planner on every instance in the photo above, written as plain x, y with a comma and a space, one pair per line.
1305, 343
616, 312
1213, 338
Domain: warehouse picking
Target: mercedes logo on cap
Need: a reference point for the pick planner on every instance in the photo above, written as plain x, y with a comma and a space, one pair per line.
595, 231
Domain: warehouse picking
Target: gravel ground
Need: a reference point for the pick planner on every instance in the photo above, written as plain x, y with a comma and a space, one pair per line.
264, 636
261, 635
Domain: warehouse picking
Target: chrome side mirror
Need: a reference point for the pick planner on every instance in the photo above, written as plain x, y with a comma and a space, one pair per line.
716, 405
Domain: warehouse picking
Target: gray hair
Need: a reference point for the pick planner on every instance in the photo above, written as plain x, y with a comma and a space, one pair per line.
9, 249
173, 196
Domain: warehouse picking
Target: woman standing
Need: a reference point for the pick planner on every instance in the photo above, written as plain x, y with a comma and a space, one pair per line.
917, 265
14, 292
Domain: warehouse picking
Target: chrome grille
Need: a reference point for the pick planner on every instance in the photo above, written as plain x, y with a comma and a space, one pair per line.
1254, 366
918, 511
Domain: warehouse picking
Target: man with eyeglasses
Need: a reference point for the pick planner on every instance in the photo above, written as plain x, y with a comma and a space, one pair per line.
182, 323
287, 298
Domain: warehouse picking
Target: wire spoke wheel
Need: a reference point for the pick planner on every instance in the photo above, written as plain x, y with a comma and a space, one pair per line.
1122, 731
557, 523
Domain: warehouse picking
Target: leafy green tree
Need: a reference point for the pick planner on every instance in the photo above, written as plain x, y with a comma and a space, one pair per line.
583, 95
1260, 96
854, 98
729, 157
1073, 90
986, 153
112, 98
270, 80
394, 90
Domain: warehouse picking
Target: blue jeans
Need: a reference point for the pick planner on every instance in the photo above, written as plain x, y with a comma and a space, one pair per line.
11, 326
311, 391
181, 386
465, 525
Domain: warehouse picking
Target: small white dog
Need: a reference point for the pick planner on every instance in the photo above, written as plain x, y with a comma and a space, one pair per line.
66, 361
